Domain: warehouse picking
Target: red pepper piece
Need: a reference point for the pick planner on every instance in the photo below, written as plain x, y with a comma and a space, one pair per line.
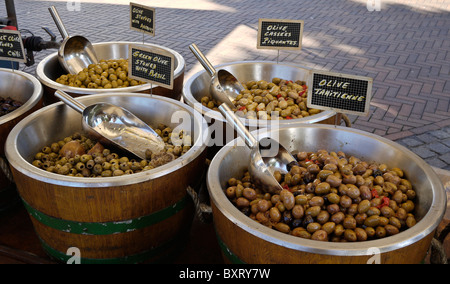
287, 187
385, 202
242, 108
278, 96
301, 93
288, 117
374, 193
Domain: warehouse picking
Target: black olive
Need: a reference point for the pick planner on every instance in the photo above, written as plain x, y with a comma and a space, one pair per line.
377, 172
287, 217
296, 223
291, 164
307, 220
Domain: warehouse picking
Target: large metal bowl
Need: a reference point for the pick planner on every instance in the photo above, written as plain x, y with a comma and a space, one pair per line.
198, 86
145, 211
49, 69
26, 89
236, 231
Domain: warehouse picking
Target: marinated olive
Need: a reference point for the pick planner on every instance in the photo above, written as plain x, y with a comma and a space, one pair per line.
79, 156
328, 196
104, 75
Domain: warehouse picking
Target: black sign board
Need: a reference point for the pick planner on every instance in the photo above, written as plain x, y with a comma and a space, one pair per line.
280, 34
339, 92
151, 64
11, 46
142, 18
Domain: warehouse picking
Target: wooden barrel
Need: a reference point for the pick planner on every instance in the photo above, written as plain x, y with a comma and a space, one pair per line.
141, 217
143, 222
238, 246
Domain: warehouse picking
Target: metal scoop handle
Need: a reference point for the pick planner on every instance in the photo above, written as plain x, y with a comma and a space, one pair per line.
66, 98
59, 23
202, 59
242, 131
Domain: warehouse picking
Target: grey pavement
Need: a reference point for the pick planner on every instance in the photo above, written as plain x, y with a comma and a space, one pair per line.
404, 47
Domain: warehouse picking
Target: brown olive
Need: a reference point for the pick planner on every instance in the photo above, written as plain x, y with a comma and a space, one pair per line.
301, 232
320, 235
329, 227
349, 222
350, 235
274, 214
287, 198
298, 211
361, 234
313, 211
249, 193
264, 205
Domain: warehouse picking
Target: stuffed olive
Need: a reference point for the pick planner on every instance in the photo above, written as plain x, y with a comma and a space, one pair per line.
262, 99
107, 74
328, 196
79, 156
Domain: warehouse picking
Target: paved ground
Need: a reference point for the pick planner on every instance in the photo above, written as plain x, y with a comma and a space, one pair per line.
404, 47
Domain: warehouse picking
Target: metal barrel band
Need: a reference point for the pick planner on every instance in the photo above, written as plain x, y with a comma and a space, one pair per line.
106, 228
159, 251
234, 259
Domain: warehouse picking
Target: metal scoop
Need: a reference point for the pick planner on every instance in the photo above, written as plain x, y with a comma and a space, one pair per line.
267, 155
224, 86
116, 126
75, 52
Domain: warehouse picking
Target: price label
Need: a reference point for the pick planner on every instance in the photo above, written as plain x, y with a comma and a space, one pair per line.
142, 18
339, 92
280, 34
153, 65
11, 46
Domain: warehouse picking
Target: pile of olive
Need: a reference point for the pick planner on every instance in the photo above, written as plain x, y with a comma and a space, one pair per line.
329, 197
8, 105
261, 99
79, 156
107, 74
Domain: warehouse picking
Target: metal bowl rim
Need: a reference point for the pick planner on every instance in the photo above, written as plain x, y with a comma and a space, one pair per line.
189, 98
26, 168
30, 103
54, 85
423, 228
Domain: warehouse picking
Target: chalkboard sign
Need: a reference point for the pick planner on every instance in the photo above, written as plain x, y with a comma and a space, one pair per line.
151, 64
339, 92
11, 46
142, 18
280, 34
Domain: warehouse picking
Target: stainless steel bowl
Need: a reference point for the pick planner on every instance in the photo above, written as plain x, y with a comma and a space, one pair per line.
197, 86
231, 161
49, 69
27, 89
22, 87
53, 122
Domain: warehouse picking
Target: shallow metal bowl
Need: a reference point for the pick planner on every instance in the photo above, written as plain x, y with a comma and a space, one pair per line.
49, 69
232, 159
198, 86
24, 88
57, 121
